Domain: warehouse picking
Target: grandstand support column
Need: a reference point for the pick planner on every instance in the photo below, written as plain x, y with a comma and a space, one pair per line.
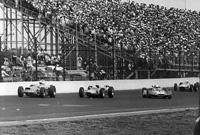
95, 38
6, 29
199, 64
149, 72
63, 56
11, 28
77, 46
36, 60
4, 25
114, 60
179, 63
1, 62
16, 35
199, 80
22, 28
192, 63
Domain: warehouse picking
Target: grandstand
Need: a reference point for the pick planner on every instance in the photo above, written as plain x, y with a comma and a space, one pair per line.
124, 40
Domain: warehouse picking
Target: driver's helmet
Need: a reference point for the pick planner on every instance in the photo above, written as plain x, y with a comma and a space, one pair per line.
97, 85
157, 86
41, 82
186, 81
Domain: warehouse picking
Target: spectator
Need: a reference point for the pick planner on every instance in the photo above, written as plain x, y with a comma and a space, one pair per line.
3, 73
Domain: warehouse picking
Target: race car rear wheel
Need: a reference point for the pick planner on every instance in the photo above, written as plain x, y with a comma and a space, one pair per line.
191, 88
102, 93
52, 91
175, 87
196, 86
20, 91
81, 92
110, 92
148, 95
42, 92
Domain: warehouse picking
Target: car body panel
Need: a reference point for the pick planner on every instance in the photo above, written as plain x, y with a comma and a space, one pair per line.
156, 92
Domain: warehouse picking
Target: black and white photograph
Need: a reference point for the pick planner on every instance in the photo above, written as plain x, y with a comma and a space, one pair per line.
99, 67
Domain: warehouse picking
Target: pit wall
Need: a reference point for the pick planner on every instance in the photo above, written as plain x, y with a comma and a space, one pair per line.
10, 88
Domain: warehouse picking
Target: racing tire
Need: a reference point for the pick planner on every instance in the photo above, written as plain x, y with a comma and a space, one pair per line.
20, 91
102, 93
148, 95
144, 96
191, 88
42, 92
175, 87
81, 92
52, 91
111, 92
196, 86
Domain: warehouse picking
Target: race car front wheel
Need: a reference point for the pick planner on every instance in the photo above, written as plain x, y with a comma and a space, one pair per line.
196, 86
110, 92
191, 88
42, 92
175, 87
20, 91
102, 93
81, 92
52, 91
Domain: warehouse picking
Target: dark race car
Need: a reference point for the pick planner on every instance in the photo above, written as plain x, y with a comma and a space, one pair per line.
40, 89
156, 91
186, 86
96, 91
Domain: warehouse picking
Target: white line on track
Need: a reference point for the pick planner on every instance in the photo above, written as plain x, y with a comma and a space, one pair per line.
43, 104
37, 121
76, 105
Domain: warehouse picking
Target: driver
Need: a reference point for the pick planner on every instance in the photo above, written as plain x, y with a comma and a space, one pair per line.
187, 83
97, 85
41, 82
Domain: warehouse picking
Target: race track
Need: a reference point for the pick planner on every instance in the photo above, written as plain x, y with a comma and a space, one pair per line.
13, 108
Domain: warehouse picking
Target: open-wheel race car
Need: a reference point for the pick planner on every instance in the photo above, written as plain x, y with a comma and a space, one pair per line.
96, 91
186, 86
156, 91
40, 89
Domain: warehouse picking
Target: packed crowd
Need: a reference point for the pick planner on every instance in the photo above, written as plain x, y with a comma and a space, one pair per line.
14, 63
152, 33
23, 66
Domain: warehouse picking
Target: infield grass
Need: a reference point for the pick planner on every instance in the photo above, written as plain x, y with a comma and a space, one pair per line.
173, 123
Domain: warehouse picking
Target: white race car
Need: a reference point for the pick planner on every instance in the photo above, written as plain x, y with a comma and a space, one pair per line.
40, 89
96, 91
186, 86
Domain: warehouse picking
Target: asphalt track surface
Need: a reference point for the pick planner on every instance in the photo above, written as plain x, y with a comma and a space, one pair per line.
13, 108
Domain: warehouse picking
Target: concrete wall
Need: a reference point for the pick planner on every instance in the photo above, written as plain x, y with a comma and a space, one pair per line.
10, 88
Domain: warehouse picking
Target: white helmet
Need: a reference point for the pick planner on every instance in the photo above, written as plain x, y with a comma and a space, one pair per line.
41, 82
